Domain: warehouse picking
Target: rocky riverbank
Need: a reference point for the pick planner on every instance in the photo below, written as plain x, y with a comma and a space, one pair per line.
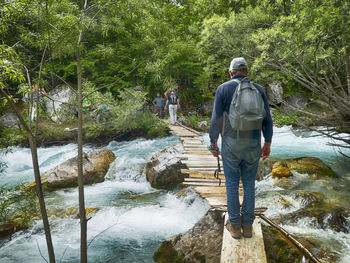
96, 164
202, 243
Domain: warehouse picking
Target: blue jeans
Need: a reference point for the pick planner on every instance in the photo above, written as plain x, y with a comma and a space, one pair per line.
240, 157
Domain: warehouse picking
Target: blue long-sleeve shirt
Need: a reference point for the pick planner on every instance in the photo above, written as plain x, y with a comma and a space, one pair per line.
223, 98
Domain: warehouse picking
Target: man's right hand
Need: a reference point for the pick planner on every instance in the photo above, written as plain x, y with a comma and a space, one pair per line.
213, 148
265, 150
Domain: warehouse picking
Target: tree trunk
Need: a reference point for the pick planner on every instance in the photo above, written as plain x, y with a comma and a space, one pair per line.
39, 190
83, 223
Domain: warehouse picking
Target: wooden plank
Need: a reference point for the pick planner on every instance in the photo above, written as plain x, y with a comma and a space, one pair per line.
203, 184
191, 141
194, 166
207, 189
209, 180
216, 200
210, 163
195, 146
205, 176
244, 250
192, 130
201, 169
204, 173
198, 152
195, 157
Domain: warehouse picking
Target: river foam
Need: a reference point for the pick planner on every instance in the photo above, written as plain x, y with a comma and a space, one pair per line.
132, 218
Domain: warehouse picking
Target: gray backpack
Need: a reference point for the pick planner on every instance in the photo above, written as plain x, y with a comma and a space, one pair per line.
247, 109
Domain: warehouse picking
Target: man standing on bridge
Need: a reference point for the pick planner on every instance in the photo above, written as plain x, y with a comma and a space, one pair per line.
240, 112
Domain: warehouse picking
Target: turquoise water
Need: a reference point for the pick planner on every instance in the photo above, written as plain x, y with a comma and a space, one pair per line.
290, 143
133, 218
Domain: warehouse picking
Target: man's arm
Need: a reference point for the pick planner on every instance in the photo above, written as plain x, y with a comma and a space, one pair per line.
216, 122
216, 119
267, 129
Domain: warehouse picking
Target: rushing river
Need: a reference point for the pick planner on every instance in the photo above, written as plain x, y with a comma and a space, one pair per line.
290, 143
133, 218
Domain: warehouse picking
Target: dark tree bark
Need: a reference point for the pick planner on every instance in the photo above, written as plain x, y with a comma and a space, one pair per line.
39, 190
83, 222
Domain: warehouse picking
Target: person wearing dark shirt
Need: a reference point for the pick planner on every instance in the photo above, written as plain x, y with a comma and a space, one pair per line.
241, 151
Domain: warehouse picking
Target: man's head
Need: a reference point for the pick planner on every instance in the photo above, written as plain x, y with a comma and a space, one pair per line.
176, 86
158, 94
238, 66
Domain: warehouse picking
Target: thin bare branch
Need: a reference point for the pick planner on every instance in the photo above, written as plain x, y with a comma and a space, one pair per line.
41, 255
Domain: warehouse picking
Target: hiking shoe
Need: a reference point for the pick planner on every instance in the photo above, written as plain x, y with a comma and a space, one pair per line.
247, 231
234, 231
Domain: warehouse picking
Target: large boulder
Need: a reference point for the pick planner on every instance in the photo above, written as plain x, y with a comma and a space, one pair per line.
95, 166
202, 243
183, 121
274, 93
311, 166
10, 120
304, 165
60, 103
297, 100
163, 169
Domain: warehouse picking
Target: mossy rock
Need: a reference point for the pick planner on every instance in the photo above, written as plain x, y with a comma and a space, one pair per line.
281, 172
72, 212
277, 248
265, 167
284, 183
309, 198
311, 166
166, 253
279, 164
7, 229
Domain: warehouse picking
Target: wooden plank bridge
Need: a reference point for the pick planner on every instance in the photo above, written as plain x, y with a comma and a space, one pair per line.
201, 166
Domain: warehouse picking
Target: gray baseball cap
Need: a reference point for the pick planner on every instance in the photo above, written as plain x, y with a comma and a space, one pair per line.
238, 63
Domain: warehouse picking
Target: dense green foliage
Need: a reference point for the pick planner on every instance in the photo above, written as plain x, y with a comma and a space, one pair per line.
302, 43
18, 206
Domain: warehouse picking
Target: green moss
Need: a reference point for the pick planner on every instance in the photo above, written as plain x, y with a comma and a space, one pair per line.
166, 253
278, 249
326, 171
200, 257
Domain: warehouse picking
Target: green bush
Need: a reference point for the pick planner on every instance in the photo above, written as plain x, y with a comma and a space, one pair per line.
282, 119
18, 205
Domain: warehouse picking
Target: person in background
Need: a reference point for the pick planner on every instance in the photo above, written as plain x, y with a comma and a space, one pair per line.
174, 105
86, 105
159, 103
